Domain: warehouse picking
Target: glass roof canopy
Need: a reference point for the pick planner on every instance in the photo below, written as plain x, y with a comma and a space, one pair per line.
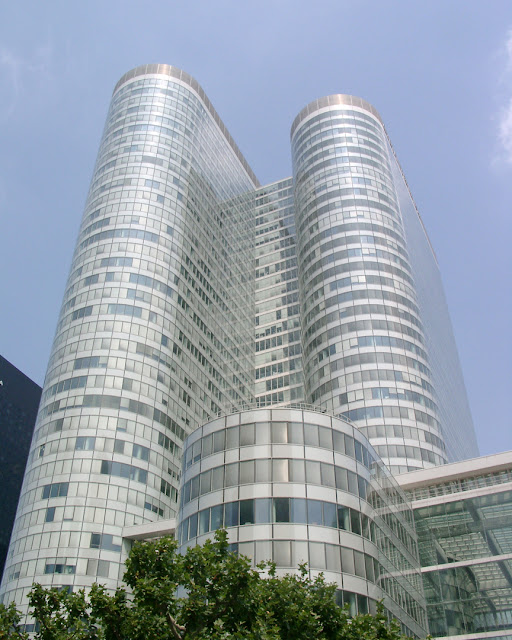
464, 528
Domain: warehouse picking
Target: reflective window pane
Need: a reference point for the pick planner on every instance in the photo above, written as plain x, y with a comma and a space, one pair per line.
281, 509
317, 555
246, 512
232, 438
231, 479
313, 472
282, 553
280, 470
231, 514
279, 432
315, 512
247, 472
246, 434
298, 511
217, 520
311, 435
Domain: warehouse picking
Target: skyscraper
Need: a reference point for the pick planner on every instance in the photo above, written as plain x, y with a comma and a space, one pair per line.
181, 253
19, 400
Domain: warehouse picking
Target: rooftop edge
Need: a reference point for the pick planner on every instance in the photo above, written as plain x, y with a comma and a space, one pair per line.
174, 72
332, 101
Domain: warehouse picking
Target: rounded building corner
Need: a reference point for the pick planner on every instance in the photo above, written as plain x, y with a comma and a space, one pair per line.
333, 100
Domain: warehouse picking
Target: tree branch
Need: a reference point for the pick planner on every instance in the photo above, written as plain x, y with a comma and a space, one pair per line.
178, 631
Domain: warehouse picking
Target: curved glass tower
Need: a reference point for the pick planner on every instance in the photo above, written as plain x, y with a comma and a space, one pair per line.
155, 332
365, 352
195, 293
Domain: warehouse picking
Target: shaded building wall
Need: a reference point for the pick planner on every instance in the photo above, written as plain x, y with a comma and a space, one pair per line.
19, 400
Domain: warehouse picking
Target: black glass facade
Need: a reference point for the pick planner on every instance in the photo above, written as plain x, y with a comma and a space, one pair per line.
19, 400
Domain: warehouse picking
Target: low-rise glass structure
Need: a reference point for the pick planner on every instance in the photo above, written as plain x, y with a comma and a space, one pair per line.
463, 518
297, 486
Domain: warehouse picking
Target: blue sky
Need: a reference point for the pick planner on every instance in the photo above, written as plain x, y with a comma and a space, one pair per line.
439, 72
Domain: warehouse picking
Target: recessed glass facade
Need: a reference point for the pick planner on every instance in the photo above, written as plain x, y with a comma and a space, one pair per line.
278, 357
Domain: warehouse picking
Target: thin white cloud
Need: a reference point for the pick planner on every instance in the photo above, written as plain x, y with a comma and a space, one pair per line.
17, 72
508, 49
505, 132
9, 83
505, 114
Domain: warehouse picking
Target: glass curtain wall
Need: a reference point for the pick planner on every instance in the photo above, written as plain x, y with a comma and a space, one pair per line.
154, 336
364, 349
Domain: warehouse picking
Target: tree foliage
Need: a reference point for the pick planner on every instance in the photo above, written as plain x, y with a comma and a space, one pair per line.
206, 594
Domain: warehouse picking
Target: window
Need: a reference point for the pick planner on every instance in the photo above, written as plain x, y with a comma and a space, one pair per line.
247, 434
217, 520
330, 519
279, 432
104, 541
298, 510
218, 441
50, 514
231, 514
280, 470
317, 555
140, 452
205, 482
247, 472
103, 568
347, 560
327, 474
119, 446
85, 443
281, 510
246, 512
204, 521
282, 553
313, 472
231, 474
315, 512
55, 490
68, 569
95, 540
124, 471
193, 526
262, 509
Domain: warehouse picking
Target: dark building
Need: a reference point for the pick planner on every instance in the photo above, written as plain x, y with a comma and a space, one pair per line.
19, 400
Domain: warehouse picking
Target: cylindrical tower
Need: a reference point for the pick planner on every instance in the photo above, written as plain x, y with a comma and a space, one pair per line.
364, 352
294, 486
154, 336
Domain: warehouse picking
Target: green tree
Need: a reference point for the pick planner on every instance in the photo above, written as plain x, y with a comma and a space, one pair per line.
206, 594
